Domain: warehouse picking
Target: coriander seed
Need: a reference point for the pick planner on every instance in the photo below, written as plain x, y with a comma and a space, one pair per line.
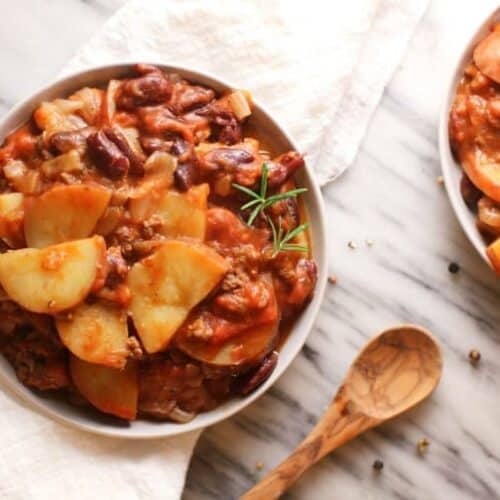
352, 245
332, 279
423, 445
474, 356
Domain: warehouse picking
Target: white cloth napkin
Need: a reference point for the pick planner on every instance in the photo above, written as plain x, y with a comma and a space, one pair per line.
320, 67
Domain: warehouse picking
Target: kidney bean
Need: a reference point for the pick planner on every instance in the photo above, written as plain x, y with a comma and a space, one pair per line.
283, 167
184, 176
306, 274
188, 97
470, 193
286, 211
262, 373
107, 156
152, 144
227, 158
227, 128
62, 142
136, 163
151, 88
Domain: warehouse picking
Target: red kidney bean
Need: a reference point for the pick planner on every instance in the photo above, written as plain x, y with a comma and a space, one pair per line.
188, 97
107, 156
62, 142
226, 158
262, 373
149, 89
136, 163
283, 167
470, 193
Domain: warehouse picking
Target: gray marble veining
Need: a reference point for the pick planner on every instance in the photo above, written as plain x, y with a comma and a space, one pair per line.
391, 197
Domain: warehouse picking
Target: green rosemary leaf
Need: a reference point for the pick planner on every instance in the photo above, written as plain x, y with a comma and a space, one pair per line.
263, 181
281, 196
275, 236
295, 248
245, 190
250, 204
294, 232
254, 214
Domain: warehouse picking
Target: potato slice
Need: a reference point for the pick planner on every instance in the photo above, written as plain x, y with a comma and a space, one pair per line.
159, 168
108, 389
232, 343
486, 56
245, 349
55, 278
181, 214
166, 285
484, 172
96, 333
64, 213
493, 252
11, 217
70, 162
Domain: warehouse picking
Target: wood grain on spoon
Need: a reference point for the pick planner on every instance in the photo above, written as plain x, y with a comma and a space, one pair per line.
396, 370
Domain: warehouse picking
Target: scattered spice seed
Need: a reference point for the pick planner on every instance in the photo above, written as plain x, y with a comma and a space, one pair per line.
352, 245
369, 243
422, 445
440, 180
378, 465
259, 465
474, 356
51, 304
332, 279
453, 268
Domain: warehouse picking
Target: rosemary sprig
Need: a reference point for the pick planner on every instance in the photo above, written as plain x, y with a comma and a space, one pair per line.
280, 240
259, 200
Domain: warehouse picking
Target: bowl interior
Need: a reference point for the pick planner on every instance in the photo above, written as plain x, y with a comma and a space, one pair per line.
88, 420
452, 171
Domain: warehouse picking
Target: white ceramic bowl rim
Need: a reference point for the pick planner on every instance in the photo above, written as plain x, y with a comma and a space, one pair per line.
451, 170
65, 413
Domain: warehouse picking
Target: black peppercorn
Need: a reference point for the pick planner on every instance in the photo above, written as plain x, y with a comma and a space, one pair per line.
453, 268
378, 465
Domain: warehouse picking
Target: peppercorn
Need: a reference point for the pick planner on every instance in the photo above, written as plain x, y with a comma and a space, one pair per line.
474, 356
453, 268
378, 465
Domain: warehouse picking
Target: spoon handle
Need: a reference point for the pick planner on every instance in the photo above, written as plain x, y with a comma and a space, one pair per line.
339, 424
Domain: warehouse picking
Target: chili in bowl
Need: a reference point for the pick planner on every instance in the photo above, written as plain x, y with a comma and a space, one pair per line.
162, 252
470, 127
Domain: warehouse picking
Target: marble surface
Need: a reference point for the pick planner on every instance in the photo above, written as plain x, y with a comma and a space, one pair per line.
389, 196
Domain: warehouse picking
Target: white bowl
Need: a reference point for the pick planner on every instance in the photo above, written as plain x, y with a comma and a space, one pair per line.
77, 417
452, 171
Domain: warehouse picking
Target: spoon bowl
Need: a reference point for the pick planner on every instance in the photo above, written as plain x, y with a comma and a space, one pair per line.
395, 371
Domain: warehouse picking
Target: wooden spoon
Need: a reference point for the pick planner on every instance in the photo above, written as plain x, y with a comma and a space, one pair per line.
396, 370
